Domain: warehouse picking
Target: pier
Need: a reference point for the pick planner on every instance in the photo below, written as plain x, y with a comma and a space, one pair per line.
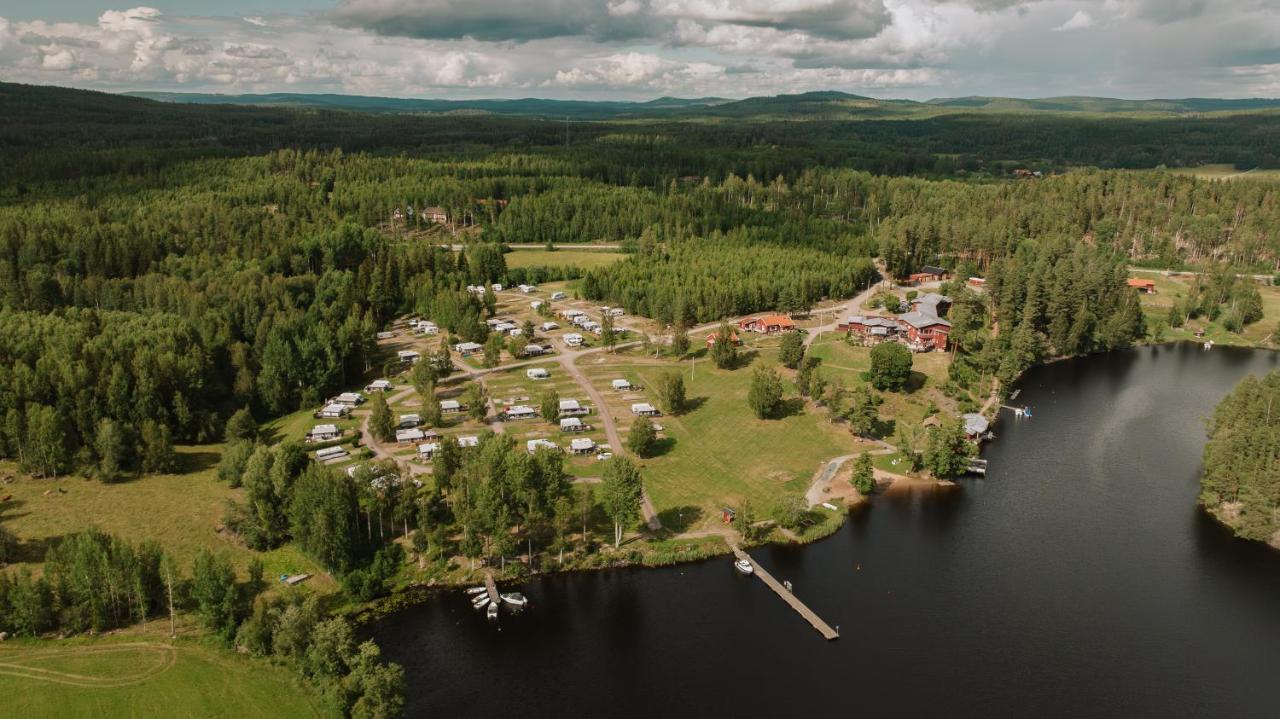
809, 615
491, 586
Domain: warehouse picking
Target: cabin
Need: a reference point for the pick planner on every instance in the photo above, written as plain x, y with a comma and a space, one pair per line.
520, 411
572, 408
409, 420
435, 214
469, 441
451, 406
466, 349
329, 455
621, 385
975, 425
409, 436
323, 433
573, 339
533, 445
928, 273
533, 350
408, 356
572, 424
350, 399
378, 385
537, 373
644, 409
923, 333
427, 450
734, 339
767, 325
1143, 286
558, 295
334, 410
582, 445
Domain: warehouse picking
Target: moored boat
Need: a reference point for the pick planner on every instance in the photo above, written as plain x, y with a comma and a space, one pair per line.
480, 601
744, 566
477, 590
516, 599
492, 612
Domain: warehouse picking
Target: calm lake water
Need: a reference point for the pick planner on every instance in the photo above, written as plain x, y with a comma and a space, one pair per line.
1077, 579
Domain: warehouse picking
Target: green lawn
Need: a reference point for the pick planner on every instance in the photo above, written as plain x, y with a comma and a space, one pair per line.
718, 453
134, 677
182, 512
586, 259
1170, 290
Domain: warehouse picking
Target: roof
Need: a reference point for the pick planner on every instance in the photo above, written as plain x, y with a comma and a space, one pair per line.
534, 444
410, 418
429, 448
570, 422
335, 407
933, 270
569, 405
1140, 282
521, 409
643, 407
621, 383
450, 404
379, 383
330, 452
582, 443
408, 435
469, 441
782, 320
537, 372
975, 423
468, 346
871, 321
325, 429
349, 397
920, 320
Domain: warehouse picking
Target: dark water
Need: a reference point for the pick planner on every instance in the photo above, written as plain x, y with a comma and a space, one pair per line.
1078, 579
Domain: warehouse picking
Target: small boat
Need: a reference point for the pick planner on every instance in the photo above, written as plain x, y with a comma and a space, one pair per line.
744, 566
516, 599
492, 613
477, 590
480, 601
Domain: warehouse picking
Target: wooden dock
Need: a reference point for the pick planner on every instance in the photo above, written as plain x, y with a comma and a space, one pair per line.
787, 596
491, 586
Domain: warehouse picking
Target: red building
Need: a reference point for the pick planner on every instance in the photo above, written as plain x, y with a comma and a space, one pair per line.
769, 324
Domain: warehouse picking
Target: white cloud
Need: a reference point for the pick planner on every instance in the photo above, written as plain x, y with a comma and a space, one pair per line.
1080, 21
639, 48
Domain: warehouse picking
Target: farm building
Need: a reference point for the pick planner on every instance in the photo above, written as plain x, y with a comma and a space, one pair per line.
621, 385
534, 445
378, 385
537, 373
644, 409
1143, 286
323, 433
334, 410
572, 424
768, 325
520, 411
582, 445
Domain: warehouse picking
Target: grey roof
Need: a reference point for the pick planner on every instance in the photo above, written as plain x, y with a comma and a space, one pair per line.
872, 321
920, 320
975, 423
933, 270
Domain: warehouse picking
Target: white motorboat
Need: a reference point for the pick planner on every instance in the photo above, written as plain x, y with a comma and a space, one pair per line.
492, 612
480, 601
744, 566
477, 590
516, 599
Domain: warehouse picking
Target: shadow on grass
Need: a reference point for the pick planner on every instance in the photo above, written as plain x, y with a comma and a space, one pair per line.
680, 519
916, 382
693, 404
790, 408
661, 446
190, 462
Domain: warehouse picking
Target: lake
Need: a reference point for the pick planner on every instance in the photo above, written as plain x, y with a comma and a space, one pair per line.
1078, 579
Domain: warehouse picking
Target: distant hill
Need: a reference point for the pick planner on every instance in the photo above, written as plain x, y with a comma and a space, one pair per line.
1105, 104
525, 107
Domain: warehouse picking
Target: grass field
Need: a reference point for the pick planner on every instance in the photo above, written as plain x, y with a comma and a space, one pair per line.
718, 453
586, 259
1226, 172
1170, 290
182, 512
141, 676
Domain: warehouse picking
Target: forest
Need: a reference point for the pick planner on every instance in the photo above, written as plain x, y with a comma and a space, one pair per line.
1241, 482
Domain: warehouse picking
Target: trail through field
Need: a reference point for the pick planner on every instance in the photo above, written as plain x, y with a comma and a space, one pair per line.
18, 663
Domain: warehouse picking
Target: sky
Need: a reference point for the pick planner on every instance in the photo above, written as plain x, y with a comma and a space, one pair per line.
642, 49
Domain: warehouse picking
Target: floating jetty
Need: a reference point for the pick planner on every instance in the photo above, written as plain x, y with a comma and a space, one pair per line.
809, 615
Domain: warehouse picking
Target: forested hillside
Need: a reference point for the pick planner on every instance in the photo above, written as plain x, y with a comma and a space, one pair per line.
1241, 482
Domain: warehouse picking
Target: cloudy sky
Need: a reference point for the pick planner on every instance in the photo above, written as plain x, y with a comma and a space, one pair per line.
640, 49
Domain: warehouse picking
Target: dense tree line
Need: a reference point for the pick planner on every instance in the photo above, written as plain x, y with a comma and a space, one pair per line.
1241, 482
